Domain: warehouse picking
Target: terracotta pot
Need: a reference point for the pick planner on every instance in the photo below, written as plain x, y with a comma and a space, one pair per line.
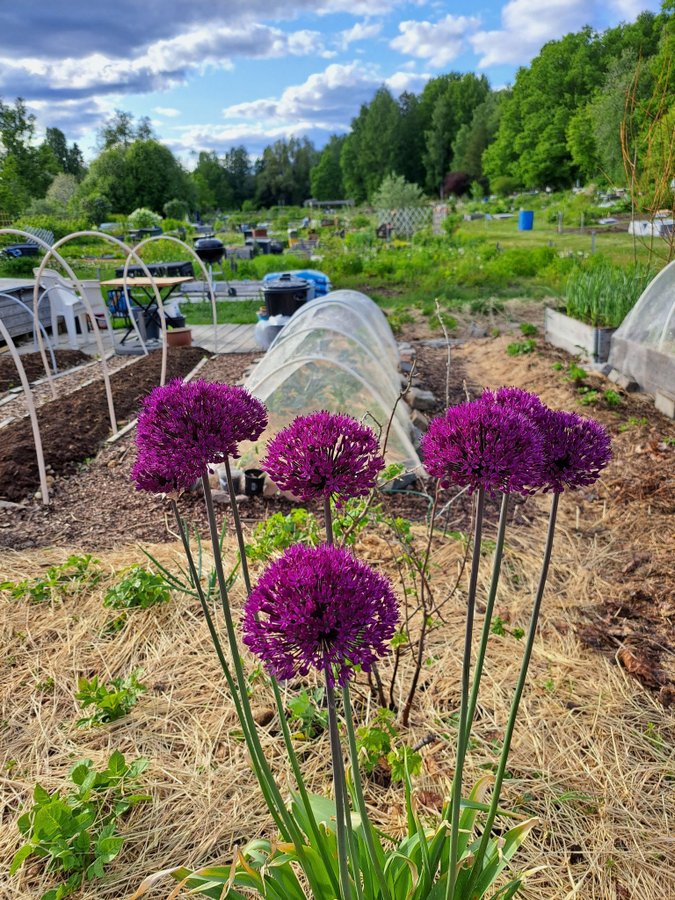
179, 337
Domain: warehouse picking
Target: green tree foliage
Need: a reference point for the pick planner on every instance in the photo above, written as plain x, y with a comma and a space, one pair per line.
473, 138
454, 107
212, 187
326, 176
69, 159
237, 165
282, 173
373, 149
26, 171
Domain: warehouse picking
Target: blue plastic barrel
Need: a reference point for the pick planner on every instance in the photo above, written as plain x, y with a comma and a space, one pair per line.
525, 220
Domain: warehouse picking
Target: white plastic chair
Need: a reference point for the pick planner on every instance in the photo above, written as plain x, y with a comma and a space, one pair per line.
92, 289
65, 304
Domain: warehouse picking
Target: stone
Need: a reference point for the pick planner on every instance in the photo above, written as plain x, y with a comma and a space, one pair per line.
419, 420
405, 367
477, 331
665, 403
625, 382
425, 401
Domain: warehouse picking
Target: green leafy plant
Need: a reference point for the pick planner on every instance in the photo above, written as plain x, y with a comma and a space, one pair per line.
111, 700
76, 830
612, 398
603, 293
279, 532
527, 329
518, 348
633, 422
72, 576
138, 588
308, 713
377, 746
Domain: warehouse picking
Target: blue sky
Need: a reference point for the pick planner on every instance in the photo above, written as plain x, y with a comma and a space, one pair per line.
211, 75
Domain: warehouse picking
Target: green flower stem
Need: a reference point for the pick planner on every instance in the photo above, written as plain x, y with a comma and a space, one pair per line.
247, 715
513, 713
228, 674
489, 607
358, 790
237, 527
328, 517
462, 733
288, 741
341, 805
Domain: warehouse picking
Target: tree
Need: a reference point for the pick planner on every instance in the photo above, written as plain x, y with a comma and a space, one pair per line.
326, 176
211, 183
239, 171
26, 171
62, 189
396, 193
69, 159
283, 173
473, 139
118, 130
372, 149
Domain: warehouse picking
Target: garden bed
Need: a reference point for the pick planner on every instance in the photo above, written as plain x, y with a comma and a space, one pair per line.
73, 427
590, 750
35, 369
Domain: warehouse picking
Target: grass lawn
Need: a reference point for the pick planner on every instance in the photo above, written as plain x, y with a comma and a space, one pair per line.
233, 312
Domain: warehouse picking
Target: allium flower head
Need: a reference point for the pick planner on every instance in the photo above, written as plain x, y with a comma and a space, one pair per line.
484, 445
319, 608
517, 399
324, 454
576, 450
185, 426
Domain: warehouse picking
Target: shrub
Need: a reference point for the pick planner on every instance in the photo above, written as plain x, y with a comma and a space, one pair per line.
175, 209
144, 218
504, 185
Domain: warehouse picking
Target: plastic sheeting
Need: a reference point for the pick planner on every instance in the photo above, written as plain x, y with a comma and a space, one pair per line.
336, 353
643, 346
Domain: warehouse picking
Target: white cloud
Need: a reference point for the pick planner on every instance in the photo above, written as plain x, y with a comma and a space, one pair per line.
401, 81
361, 31
528, 24
169, 112
438, 42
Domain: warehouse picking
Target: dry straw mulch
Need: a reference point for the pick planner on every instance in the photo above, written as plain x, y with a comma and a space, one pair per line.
592, 757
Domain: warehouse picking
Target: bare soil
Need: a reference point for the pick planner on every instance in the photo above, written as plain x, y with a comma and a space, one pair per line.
32, 363
73, 427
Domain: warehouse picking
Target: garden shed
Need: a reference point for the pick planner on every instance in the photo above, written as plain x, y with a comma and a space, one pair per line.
337, 353
643, 347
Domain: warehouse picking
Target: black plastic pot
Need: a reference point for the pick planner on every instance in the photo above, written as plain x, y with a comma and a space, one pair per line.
286, 295
254, 481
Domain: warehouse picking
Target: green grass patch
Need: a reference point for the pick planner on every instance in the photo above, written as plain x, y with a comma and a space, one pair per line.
232, 312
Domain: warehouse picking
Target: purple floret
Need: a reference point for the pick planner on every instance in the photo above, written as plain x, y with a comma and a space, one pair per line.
319, 608
323, 455
186, 426
484, 445
576, 450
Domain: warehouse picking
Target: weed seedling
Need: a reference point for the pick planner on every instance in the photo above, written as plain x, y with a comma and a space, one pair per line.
308, 714
527, 329
111, 701
71, 577
518, 348
612, 398
76, 832
139, 588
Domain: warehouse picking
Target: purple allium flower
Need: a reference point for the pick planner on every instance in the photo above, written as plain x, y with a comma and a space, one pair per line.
322, 455
185, 426
319, 608
484, 445
576, 450
517, 399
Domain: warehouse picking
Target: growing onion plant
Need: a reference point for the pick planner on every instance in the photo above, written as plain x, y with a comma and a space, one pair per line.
321, 610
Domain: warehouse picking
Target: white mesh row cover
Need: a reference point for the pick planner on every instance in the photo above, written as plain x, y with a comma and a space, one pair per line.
643, 346
337, 353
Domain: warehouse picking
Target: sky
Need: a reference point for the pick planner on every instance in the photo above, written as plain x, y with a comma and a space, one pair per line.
213, 75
